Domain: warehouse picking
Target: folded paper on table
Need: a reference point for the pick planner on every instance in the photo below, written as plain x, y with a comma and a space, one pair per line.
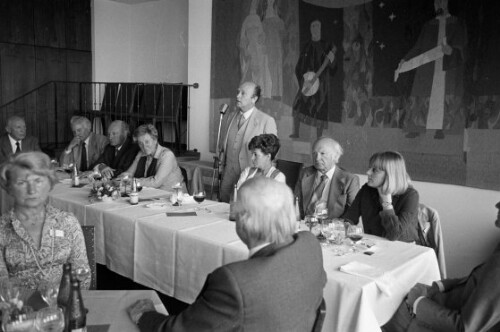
181, 214
382, 280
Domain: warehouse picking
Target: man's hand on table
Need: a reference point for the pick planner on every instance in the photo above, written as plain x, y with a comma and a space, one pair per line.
136, 310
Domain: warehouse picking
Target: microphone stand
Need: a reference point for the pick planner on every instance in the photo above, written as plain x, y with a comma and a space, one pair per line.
216, 173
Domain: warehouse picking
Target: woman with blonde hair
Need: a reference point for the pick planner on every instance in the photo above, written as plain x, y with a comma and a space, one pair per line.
387, 203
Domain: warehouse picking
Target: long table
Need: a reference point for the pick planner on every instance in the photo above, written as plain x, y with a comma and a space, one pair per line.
173, 254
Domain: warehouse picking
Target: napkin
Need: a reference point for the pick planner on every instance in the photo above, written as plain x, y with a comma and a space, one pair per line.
181, 214
382, 280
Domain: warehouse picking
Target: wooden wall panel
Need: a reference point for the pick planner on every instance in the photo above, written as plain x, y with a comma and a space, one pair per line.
18, 70
50, 23
16, 21
78, 25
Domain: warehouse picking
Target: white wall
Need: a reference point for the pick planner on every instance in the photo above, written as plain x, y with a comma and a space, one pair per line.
199, 57
143, 42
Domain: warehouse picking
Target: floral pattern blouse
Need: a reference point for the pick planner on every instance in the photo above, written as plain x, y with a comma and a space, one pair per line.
62, 241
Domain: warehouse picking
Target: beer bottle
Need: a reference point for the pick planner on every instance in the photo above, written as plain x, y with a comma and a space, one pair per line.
75, 181
77, 315
297, 209
64, 287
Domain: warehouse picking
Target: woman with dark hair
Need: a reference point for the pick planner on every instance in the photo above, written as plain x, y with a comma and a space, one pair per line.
264, 149
36, 239
154, 166
387, 203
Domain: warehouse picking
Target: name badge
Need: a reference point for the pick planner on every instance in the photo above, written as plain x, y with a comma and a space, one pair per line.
57, 233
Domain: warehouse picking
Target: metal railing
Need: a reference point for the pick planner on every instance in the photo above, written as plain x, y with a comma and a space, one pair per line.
48, 109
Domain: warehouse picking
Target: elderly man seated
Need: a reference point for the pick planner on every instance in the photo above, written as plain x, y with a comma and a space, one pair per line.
119, 154
469, 304
280, 286
326, 183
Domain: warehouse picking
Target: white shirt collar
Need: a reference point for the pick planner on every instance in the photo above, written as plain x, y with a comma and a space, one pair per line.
329, 174
13, 143
247, 114
257, 248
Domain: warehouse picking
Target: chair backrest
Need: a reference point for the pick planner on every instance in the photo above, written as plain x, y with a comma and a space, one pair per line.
89, 235
320, 317
430, 234
291, 169
185, 176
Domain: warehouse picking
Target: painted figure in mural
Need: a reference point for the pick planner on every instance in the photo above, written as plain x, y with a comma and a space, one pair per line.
253, 52
274, 29
438, 57
313, 69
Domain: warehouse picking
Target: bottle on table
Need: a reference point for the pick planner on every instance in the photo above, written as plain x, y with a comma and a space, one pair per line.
75, 180
134, 194
297, 209
77, 315
64, 286
233, 199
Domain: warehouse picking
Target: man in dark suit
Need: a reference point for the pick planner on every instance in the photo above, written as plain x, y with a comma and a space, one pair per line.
120, 153
469, 304
86, 146
16, 141
280, 286
326, 184
239, 127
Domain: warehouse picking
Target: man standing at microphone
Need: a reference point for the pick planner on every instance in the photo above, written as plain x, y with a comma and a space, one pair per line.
238, 128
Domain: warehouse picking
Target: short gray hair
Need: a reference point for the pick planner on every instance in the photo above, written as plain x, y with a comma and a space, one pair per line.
80, 119
36, 162
265, 211
146, 129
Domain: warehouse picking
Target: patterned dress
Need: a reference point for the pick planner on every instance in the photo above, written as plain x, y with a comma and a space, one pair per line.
62, 241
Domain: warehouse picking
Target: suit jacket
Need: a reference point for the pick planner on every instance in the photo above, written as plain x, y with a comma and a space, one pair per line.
258, 123
122, 161
95, 148
470, 304
29, 143
343, 189
278, 289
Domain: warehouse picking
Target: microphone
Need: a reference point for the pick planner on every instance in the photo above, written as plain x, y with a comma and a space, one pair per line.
223, 108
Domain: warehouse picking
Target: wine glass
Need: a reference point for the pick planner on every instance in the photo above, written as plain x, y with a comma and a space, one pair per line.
311, 221
82, 273
49, 290
327, 229
49, 319
355, 234
199, 197
138, 186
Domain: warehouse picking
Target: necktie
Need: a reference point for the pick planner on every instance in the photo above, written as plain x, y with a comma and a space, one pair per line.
318, 192
18, 148
83, 165
241, 121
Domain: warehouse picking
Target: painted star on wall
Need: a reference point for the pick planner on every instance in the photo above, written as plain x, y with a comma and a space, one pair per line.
392, 17
381, 4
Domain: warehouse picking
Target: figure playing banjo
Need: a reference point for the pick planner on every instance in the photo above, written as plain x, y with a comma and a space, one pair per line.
313, 69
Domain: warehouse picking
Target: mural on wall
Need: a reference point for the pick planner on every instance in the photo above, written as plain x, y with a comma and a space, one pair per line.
420, 77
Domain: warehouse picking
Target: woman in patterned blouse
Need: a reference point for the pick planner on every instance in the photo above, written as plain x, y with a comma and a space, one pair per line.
36, 239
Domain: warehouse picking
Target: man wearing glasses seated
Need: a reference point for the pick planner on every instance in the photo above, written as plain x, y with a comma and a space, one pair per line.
469, 304
279, 287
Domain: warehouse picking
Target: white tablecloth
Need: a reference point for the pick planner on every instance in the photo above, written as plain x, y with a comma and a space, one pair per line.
174, 254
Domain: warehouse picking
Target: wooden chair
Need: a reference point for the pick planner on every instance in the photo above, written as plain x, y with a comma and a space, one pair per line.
430, 234
320, 317
89, 235
291, 169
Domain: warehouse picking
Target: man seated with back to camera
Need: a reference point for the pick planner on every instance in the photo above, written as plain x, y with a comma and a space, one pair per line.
119, 154
279, 287
469, 304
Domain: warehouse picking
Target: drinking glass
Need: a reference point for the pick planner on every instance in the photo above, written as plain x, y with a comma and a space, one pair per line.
49, 290
312, 222
327, 230
82, 273
354, 233
199, 197
49, 319
18, 320
338, 232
